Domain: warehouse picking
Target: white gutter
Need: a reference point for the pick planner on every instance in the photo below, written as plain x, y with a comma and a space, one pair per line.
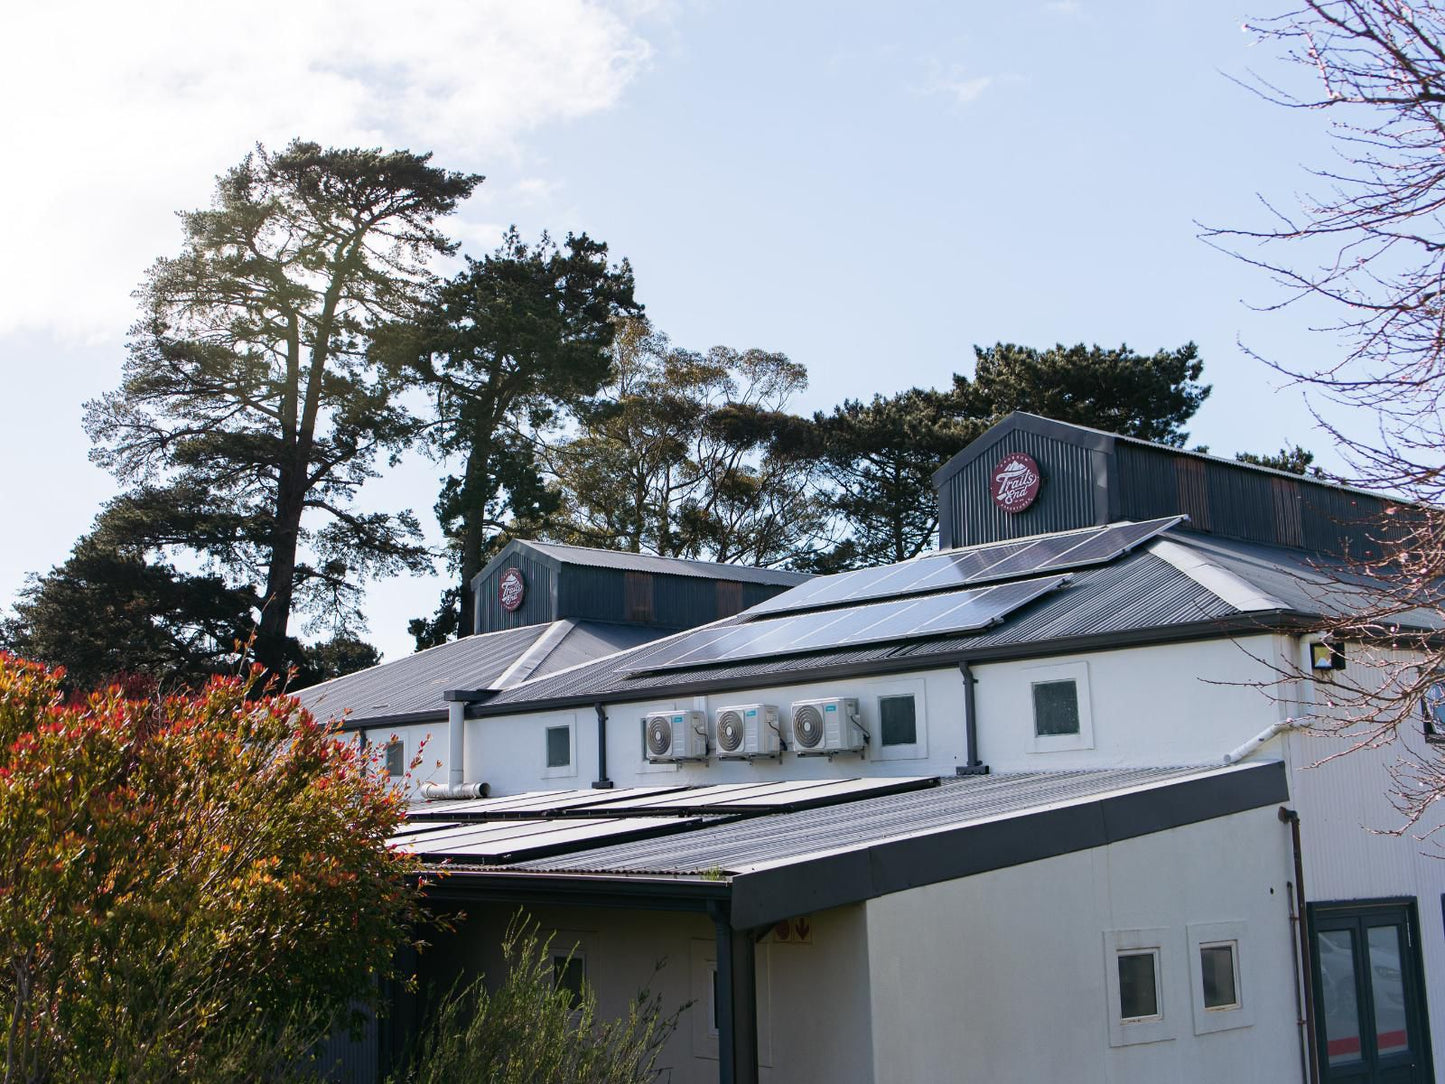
1252, 746
456, 757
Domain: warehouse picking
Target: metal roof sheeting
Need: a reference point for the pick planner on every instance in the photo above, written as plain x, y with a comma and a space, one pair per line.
1139, 591
662, 566
778, 838
416, 683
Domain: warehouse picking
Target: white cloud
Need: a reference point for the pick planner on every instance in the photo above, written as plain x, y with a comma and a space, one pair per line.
117, 115
1065, 7
954, 82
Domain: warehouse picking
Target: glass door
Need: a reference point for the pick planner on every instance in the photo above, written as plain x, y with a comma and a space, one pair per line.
1370, 1013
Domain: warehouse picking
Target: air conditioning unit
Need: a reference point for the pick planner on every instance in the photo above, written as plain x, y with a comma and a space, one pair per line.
746, 731
675, 735
825, 727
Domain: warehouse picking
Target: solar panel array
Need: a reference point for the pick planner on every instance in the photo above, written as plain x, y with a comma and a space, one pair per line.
493, 831
969, 567
848, 626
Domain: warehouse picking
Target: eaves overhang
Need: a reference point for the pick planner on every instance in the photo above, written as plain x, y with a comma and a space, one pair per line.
763, 896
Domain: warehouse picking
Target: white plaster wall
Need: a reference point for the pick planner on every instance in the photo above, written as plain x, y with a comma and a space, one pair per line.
1356, 844
1166, 704
509, 751
804, 1037
1001, 977
1159, 705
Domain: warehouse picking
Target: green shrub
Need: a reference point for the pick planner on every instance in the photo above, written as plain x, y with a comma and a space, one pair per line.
533, 1030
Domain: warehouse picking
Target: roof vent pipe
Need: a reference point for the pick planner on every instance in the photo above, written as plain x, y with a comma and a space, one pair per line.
457, 701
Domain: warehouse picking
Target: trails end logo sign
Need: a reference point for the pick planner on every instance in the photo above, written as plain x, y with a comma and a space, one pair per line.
1015, 482
511, 590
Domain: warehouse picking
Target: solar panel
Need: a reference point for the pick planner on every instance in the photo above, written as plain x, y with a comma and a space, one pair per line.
528, 806
515, 841
779, 796
954, 612
968, 567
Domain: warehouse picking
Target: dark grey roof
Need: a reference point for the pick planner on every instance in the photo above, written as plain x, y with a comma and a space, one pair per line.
1305, 583
1137, 592
777, 865
413, 686
416, 683
664, 566
741, 847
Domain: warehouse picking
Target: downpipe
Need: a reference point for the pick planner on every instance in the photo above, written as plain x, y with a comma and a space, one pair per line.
456, 754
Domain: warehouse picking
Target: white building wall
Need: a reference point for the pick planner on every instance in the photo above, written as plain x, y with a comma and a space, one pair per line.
1166, 704
1002, 976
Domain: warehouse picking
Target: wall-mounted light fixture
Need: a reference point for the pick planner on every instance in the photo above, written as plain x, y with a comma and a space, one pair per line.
1325, 655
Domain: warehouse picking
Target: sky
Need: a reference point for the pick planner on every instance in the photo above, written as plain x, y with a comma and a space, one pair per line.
870, 189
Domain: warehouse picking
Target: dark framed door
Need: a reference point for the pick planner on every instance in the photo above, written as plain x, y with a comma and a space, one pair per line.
1371, 1017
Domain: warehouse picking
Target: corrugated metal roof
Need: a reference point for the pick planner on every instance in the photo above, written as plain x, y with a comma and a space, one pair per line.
416, 683
664, 566
1309, 584
1139, 591
779, 838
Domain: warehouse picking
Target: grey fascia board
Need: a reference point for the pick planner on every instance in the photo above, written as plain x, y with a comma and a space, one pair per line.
1093, 439
765, 897
646, 893
407, 718
1213, 628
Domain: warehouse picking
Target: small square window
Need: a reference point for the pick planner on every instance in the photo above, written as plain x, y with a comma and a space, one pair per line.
1056, 708
1138, 985
1221, 981
898, 720
568, 973
396, 759
559, 746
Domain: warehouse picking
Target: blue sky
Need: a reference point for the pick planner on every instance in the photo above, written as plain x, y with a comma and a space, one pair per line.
871, 189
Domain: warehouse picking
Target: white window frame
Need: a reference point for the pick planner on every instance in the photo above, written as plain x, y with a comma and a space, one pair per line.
915, 750
1241, 1015
1150, 1029
563, 771
400, 742
704, 1035
1078, 673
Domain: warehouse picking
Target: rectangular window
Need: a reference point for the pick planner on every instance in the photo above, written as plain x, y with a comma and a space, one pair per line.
568, 973
1221, 978
1056, 708
898, 720
559, 746
1138, 985
396, 759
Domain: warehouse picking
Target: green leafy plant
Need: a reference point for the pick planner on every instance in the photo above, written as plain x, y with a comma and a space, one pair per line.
528, 1028
195, 888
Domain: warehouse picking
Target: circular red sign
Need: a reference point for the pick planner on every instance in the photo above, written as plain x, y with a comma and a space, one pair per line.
511, 589
1015, 482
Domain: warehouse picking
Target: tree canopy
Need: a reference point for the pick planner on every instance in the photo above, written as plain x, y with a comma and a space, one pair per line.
503, 348
248, 385
195, 888
688, 454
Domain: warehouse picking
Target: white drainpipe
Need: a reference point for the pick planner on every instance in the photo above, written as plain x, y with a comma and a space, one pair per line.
1251, 746
456, 755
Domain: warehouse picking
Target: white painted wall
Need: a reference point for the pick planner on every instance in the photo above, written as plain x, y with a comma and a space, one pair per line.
1001, 977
